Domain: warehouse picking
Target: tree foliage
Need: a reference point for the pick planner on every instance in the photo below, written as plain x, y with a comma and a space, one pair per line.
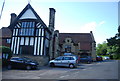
101, 49
114, 44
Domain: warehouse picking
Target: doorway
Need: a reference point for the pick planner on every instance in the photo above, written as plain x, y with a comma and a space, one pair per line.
26, 50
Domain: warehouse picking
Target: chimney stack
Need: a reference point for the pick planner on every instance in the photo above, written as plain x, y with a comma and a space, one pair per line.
13, 17
52, 18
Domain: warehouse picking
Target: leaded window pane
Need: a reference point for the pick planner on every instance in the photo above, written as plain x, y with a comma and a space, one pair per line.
27, 29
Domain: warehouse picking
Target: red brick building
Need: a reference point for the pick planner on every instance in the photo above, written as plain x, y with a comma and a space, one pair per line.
5, 36
78, 44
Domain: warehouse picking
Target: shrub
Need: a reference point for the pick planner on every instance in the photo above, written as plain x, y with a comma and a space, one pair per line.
6, 54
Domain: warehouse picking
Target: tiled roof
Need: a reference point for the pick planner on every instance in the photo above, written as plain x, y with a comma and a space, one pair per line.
76, 37
85, 39
5, 32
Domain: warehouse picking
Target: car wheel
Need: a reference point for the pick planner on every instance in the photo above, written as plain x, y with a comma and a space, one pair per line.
71, 66
9, 66
88, 62
28, 67
52, 64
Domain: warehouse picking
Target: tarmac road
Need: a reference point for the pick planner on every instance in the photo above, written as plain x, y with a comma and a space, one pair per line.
98, 70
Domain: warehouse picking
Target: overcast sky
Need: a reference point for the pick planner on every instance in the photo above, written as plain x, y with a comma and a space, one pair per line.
71, 16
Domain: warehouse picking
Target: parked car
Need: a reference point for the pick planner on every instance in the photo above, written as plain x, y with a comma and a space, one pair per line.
99, 58
106, 58
68, 61
86, 59
26, 63
70, 54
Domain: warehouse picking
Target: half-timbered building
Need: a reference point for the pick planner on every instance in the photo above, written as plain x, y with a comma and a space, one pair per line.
30, 35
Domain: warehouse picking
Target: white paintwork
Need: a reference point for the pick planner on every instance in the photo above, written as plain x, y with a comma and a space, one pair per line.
42, 32
26, 40
28, 15
38, 51
39, 26
18, 45
35, 46
39, 32
22, 41
15, 45
31, 41
14, 32
12, 43
18, 26
41, 51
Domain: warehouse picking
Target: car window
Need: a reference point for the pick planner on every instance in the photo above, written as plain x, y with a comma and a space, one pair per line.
14, 58
20, 59
59, 58
72, 58
66, 58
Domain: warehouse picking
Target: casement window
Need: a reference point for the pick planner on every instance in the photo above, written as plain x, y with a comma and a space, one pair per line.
27, 29
67, 48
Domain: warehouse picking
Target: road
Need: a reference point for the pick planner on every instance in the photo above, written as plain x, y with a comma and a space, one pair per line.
97, 70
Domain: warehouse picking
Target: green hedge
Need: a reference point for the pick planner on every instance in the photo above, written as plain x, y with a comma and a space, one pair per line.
6, 52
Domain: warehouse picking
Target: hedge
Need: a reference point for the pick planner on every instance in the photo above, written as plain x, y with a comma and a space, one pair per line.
6, 52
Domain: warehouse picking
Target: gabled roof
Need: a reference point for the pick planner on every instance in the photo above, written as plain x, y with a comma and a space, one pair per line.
77, 37
27, 13
85, 39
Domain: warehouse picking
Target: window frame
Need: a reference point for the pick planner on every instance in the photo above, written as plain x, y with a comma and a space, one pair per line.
27, 28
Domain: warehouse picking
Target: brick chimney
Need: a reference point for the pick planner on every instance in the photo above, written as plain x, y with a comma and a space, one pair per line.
13, 17
52, 18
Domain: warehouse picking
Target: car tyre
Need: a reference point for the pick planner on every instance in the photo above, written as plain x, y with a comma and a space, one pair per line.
52, 64
28, 67
88, 62
9, 67
71, 66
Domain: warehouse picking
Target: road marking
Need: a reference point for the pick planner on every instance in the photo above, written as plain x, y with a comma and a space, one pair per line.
64, 76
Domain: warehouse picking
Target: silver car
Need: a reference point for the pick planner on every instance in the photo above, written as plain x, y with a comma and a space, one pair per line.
68, 61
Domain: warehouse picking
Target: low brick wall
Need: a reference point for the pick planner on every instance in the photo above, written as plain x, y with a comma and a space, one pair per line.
42, 60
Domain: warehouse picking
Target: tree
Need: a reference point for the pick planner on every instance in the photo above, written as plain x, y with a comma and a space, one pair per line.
114, 43
101, 49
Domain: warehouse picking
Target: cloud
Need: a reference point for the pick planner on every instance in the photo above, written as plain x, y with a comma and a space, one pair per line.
88, 27
101, 23
91, 26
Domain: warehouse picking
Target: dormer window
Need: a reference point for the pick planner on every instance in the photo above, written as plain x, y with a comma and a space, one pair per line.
27, 29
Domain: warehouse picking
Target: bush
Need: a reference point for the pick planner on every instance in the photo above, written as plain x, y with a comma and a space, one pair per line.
6, 54
116, 56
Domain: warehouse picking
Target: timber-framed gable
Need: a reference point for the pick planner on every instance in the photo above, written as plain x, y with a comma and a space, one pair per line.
30, 35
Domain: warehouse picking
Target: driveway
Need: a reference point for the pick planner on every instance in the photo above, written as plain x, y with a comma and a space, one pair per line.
98, 70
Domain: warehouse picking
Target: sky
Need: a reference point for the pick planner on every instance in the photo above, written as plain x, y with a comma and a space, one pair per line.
72, 16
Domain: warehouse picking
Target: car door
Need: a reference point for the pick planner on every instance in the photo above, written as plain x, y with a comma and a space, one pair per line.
20, 63
58, 61
66, 61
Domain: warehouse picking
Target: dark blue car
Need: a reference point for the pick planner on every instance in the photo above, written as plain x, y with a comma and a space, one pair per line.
86, 59
26, 63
